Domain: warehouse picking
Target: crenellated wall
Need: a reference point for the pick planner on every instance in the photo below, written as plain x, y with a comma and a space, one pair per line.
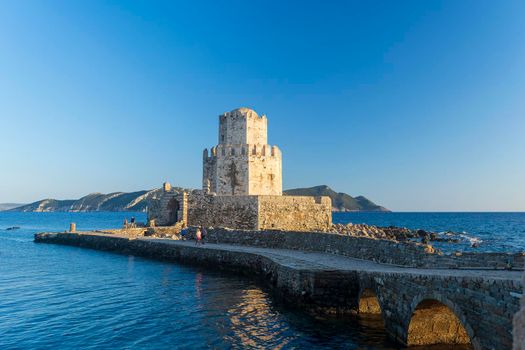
209, 170
265, 171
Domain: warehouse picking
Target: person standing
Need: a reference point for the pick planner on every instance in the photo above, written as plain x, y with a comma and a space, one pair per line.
183, 232
204, 233
198, 236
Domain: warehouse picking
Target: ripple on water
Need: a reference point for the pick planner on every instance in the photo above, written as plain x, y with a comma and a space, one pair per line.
58, 297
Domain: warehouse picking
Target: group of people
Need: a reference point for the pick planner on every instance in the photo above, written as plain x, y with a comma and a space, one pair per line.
131, 223
200, 234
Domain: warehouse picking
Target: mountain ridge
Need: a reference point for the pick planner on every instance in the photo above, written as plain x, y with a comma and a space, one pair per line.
140, 200
8, 206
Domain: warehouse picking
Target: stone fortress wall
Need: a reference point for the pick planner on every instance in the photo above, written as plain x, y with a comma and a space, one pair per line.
198, 208
242, 170
294, 213
259, 212
242, 186
222, 211
518, 332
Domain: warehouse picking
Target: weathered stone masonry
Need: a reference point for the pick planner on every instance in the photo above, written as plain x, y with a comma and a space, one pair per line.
243, 163
519, 325
242, 185
259, 212
411, 301
381, 251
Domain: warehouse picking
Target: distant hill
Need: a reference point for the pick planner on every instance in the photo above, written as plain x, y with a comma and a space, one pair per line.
117, 201
140, 200
340, 201
7, 206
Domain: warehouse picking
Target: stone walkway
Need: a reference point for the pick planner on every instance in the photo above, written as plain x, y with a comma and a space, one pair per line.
324, 261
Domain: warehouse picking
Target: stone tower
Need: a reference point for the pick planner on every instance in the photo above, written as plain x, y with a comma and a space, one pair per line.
242, 163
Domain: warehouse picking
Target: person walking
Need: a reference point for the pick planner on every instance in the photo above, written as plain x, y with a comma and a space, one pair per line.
198, 236
204, 233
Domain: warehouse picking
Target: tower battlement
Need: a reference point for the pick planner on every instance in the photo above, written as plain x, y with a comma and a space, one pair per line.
244, 150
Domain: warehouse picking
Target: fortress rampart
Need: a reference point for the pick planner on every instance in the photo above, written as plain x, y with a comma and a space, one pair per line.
242, 185
259, 212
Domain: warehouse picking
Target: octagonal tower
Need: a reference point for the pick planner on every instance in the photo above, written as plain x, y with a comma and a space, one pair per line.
242, 163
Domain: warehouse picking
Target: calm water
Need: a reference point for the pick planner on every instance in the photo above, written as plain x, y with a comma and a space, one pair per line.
493, 231
66, 297
58, 297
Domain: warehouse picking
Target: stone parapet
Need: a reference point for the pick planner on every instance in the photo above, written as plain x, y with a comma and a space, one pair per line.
382, 251
519, 325
482, 302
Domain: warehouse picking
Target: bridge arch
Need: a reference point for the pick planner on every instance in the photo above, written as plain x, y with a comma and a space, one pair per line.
368, 302
435, 319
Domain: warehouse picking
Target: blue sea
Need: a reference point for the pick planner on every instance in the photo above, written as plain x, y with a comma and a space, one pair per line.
59, 297
492, 232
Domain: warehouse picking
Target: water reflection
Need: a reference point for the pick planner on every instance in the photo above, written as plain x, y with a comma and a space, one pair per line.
112, 301
254, 322
131, 263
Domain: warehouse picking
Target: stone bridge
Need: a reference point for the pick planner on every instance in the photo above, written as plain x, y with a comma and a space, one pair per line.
419, 306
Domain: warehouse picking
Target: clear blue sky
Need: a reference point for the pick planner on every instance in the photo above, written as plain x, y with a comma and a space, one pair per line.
418, 105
